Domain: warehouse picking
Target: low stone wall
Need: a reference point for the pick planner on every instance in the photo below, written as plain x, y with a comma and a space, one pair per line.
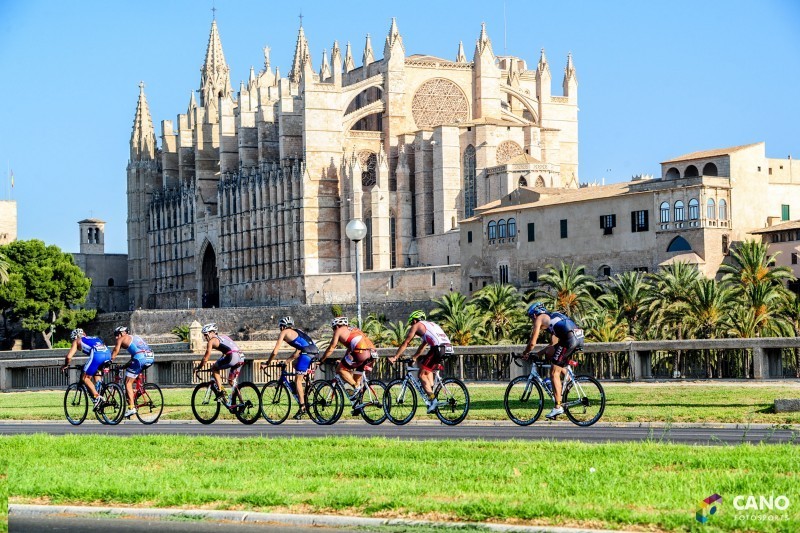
791, 405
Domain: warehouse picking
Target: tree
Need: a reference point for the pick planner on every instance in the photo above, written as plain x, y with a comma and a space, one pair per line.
570, 289
461, 321
44, 289
627, 297
502, 309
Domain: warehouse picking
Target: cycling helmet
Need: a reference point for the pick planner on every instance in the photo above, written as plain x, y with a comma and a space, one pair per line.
536, 309
208, 328
286, 322
416, 315
340, 321
120, 330
77, 332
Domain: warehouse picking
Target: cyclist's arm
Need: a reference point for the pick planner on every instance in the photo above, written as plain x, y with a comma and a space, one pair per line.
70, 353
116, 349
537, 329
277, 345
294, 356
209, 347
331, 347
411, 333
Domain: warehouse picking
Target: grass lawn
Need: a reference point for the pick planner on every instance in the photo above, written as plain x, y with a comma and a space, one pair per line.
3, 495
646, 485
645, 402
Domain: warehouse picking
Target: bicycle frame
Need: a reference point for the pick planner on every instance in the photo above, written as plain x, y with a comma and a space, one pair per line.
284, 380
417, 383
210, 390
363, 385
569, 378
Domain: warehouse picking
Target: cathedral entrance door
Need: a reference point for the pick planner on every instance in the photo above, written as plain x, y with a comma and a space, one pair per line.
210, 279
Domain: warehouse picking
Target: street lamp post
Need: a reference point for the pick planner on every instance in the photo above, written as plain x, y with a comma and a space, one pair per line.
356, 231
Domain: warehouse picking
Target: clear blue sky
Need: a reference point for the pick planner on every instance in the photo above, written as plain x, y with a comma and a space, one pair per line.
656, 79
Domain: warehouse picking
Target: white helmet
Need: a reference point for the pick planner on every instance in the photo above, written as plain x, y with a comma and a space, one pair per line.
209, 328
77, 332
120, 330
286, 322
340, 321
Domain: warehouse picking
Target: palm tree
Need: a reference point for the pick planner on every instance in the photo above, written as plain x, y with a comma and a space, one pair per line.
374, 327
396, 333
569, 289
753, 265
669, 293
791, 312
601, 325
461, 321
708, 310
627, 294
502, 309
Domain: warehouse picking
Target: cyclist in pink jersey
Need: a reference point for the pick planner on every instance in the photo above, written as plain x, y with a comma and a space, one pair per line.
232, 357
440, 347
359, 353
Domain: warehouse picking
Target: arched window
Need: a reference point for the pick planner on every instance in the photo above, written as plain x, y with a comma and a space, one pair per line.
540, 182
512, 227
690, 172
470, 197
664, 212
679, 244
501, 229
604, 271
522, 182
492, 230
710, 169
711, 209
110, 282
673, 174
694, 209
723, 210
679, 211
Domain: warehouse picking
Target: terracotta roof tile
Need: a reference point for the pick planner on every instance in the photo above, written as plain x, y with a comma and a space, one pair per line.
710, 153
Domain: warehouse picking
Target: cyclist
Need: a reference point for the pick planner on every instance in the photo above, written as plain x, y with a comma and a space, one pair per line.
141, 357
304, 350
565, 338
98, 354
439, 343
232, 358
358, 356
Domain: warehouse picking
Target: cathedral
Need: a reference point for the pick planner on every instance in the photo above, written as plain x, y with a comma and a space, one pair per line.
246, 199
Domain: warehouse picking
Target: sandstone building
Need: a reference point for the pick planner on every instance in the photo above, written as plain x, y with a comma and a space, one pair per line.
702, 203
245, 199
108, 272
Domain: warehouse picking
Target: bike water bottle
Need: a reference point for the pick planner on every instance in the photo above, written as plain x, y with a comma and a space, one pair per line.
99, 386
548, 384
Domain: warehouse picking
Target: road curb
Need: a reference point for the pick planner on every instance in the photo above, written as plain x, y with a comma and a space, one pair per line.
272, 518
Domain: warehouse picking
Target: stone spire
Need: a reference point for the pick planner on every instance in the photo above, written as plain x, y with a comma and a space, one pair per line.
336, 60
570, 83
369, 56
349, 64
215, 78
192, 101
266, 58
543, 66
461, 57
484, 43
143, 138
301, 55
325, 69
393, 39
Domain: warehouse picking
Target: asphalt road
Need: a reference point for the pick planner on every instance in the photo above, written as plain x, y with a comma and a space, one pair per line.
560, 431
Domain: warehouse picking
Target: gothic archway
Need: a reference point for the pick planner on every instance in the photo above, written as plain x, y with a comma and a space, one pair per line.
210, 278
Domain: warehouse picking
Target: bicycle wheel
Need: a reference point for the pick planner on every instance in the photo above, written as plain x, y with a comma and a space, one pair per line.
400, 402
523, 401
276, 402
453, 402
372, 401
248, 403
326, 402
76, 404
584, 401
204, 403
113, 408
149, 404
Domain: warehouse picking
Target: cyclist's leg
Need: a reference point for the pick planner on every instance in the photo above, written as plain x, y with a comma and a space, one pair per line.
345, 369
134, 369
300, 368
90, 369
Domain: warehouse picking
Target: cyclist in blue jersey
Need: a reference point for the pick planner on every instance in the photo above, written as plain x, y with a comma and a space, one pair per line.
141, 357
304, 351
232, 358
565, 338
98, 353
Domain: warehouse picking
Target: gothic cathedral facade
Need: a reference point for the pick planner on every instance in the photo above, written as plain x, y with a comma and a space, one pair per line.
246, 199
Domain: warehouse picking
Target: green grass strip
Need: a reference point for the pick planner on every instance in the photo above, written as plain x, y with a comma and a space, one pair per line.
708, 402
3, 494
647, 485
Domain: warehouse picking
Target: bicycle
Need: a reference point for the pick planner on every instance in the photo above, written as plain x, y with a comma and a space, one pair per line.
245, 403
582, 396
147, 397
76, 400
327, 399
277, 394
400, 401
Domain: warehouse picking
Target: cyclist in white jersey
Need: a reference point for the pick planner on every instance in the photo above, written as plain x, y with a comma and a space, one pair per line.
232, 357
439, 344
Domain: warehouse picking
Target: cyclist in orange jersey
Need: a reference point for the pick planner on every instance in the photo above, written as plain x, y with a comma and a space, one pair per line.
359, 354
